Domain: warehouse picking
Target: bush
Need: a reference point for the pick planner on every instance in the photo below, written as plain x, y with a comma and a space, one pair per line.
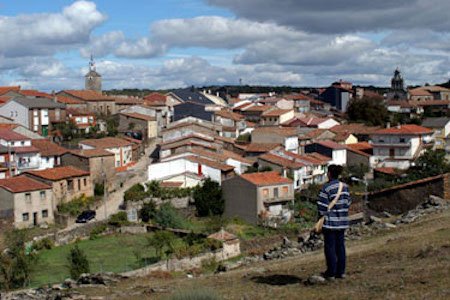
99, 189
43, 244
209, 199
78, 263
135, 193
168, 217
97, 230
76, 205
148, 211
197, 294
118, 219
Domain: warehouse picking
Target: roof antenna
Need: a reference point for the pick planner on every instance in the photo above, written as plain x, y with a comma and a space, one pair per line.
92, 63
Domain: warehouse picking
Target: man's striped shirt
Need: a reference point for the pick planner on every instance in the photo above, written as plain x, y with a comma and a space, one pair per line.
337, 217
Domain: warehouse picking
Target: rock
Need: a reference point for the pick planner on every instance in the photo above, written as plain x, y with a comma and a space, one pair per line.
69, 283
389, 225
386, 214
158, 290
315, 279
286, 242
436, 201
375, 219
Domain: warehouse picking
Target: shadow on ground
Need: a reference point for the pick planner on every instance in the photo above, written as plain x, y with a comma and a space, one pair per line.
277, 279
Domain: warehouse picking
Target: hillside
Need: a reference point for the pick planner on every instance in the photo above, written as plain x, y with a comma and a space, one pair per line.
411, 261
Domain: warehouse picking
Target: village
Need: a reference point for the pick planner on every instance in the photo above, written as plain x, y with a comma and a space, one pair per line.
192, 177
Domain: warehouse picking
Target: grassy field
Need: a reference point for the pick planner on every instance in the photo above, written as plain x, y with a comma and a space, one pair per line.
409, 262
108, 254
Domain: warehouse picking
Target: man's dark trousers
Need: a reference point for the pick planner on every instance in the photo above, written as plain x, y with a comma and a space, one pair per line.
334, 252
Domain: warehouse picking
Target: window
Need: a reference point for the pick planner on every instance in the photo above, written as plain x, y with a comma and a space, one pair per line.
42, 194
402, 140
285, 191
265, 193
45, 213
85, 182
25, 217
28, 197
79, 184
275, 192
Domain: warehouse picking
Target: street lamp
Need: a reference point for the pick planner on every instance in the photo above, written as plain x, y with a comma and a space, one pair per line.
366, 196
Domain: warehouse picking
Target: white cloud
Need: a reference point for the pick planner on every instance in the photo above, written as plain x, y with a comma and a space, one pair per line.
142, 48
45, 34
103, 45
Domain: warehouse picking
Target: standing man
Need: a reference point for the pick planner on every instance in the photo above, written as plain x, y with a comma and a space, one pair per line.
335, 223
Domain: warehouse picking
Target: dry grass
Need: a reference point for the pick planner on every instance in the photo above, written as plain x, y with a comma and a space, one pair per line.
410, 262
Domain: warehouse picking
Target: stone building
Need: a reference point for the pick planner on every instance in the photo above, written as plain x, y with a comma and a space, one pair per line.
93, 80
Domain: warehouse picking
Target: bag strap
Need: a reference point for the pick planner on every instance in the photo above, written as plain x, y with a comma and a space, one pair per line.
336, 198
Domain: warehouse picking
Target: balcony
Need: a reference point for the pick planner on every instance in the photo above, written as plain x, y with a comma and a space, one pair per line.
280, 198
27, 165
391, 144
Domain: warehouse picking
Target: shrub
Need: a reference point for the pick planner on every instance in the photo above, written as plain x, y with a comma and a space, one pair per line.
197, 294
209, 199
135, 193
118, 219
45, 243
76, 205
148, 211
78, 263
99, 189
213, 244
168, 217
97, 230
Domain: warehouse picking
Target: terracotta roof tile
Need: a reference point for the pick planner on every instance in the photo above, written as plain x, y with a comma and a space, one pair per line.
35, 93
419, 92
331, 145
86, 95
155, 99
128, 100
6, 89
283, 131
222, 236
229, 115
139, 116
260, 147
276, 112
10, 135
171, 184
21, 184
281, 161
48, 148
107, 142
266, 178
386, 170
354, 128
26, 149
68, 100
408, 129
59, 173
361, 146
91, 153
210, 163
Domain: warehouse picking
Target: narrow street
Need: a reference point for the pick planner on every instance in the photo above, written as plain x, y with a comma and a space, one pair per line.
135, 174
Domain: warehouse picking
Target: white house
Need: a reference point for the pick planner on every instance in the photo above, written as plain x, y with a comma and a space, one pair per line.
337, 152
26, 156
398, 147
189, 170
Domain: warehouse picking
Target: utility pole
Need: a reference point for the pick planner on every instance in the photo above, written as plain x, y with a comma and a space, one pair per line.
10, 160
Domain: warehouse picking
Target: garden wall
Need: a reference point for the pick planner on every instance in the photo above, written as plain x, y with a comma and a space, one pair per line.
402, 198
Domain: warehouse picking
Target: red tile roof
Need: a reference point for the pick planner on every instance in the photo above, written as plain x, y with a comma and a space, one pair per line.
153, 99
6, 89
259, 147
276, 112
107, 142
223, 236
87, 95
331, 145
48, 148
21, 184
361, 146
26, 149
312, 121
283, 131
9, 135
59, 173
210, 163
408, 129
355, 128
91, 153
35, 93
139, 116
68, 100
419, 92
128, 100
171, 184
229, 115
266, 178
281, 161
386, 170
297, 97
4, 99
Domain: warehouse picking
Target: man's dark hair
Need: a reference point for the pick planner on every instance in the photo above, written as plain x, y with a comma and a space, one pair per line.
334, 171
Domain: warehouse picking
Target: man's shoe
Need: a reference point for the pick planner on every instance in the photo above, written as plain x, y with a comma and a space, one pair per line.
327, 276
342, 276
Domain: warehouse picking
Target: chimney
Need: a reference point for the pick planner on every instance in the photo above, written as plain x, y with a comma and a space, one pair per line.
388, 125
217, 94
54, 96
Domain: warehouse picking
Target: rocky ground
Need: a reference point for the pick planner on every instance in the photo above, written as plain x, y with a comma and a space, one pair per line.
392, 257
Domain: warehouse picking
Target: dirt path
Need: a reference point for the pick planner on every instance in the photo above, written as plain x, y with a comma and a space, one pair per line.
409, 262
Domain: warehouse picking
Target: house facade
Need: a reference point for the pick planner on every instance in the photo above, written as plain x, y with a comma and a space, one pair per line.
121, 148
398, 147
67, 183
259, 198
333, 150
25, 201
136, 122
441, 130
25, 157
286, 136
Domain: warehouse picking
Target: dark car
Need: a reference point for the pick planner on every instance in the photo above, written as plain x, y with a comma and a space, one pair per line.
134, 135
86, 216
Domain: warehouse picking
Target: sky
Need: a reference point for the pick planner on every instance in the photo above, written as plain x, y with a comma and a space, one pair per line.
161, 44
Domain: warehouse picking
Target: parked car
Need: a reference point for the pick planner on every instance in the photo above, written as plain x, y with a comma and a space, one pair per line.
137, 135
86, 216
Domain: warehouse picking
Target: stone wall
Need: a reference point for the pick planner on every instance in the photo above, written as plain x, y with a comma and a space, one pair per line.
402, 198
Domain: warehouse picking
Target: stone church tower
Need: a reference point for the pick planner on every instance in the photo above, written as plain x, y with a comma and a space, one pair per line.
397, 91
93, 80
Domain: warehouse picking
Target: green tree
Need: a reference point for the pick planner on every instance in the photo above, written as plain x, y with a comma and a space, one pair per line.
68, 130
208, 198
163, 242
135, 193
15, 263
368, 110
431, 163
78, 262
112, 123
168, 217
148, 211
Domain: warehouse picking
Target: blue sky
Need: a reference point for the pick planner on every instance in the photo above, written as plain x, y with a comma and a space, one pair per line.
167, 44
